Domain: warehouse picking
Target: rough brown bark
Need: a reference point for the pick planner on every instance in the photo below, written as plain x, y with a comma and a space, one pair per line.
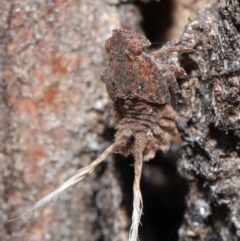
210, 160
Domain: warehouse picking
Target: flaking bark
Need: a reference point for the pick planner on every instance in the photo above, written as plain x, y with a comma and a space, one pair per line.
210, 154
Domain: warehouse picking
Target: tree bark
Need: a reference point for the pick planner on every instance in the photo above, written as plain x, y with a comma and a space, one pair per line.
210, 153
52, 123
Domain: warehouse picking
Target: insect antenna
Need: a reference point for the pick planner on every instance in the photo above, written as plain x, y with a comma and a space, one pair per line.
78, 176
137, 198
140, 143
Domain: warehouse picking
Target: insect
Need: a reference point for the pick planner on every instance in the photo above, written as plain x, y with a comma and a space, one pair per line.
143, 92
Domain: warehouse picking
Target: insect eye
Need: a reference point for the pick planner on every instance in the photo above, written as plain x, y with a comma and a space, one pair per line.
135, 46
108, 45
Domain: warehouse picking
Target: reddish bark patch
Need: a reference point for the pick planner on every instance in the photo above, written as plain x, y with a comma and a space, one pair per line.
59, 66
50, 93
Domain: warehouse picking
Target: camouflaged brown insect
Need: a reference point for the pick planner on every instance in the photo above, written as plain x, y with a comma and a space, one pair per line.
144, 93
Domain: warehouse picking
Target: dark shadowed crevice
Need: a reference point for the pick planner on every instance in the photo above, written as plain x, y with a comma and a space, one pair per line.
157, 19
225, 137
163, 194
219, 214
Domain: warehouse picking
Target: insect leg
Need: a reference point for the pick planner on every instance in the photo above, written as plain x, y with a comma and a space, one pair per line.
179, 72
173, 87
171, 49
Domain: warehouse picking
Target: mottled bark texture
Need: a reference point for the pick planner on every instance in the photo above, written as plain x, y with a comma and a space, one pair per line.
211, 124
52, 103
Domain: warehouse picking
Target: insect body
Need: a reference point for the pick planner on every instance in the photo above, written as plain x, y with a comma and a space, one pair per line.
133, 73
143, 92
